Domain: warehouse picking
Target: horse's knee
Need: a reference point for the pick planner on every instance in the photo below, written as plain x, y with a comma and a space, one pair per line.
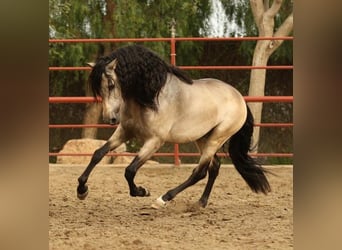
100, 153
97, 157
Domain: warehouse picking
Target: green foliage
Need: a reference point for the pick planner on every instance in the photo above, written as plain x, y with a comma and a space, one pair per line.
241, 12
70, 19
127, 19
153, 19
137, 19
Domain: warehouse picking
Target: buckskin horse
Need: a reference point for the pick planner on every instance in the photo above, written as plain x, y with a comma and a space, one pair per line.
155, 103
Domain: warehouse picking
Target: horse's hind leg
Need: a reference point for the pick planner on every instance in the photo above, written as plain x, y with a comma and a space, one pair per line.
208, 146
198, 174
213, 171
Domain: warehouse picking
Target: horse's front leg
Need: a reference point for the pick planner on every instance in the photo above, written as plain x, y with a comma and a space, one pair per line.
114, 141
147, 150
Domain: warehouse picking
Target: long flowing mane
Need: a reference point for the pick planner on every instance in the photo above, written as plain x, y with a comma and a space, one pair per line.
141, 74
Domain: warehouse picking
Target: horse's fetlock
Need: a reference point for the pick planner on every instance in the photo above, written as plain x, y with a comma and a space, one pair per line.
168, 196
82, 180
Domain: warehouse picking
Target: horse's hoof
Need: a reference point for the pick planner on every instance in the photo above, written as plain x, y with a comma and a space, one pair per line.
159, 203
202, 203
82, 195
140, 192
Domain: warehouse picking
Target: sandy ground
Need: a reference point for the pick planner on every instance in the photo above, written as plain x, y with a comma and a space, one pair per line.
109, 218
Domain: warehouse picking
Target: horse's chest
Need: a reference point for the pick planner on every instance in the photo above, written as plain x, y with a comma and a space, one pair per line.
134, 128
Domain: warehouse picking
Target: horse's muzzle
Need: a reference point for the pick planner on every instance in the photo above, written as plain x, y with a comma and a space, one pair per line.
113, 121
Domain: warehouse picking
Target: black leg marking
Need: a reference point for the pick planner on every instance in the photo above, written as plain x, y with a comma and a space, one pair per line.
130, 173
82, 189
198, 174
213, 173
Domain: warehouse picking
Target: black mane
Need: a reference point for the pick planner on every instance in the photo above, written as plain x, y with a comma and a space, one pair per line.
141, 74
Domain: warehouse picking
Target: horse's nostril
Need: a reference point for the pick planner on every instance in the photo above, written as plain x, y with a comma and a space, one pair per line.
112, 121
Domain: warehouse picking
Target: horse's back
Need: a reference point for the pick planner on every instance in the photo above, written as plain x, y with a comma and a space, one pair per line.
213, 93
218, 88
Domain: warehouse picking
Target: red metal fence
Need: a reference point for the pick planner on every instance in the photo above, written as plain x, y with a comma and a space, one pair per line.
176, 154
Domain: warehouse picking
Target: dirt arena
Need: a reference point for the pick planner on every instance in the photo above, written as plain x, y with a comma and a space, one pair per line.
109, 218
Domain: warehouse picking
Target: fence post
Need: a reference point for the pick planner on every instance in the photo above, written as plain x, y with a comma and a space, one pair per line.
173, 42
173, 62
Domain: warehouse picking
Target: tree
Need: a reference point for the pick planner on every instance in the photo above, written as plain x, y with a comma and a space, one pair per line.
264, 15
263, 18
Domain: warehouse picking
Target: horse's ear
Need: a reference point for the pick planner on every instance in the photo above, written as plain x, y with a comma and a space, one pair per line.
90, 64
113, 64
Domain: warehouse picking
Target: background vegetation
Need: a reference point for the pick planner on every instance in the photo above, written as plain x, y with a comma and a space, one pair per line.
148, 18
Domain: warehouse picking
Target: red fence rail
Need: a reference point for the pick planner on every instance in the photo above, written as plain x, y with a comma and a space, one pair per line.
195, 67
88, 99
172, 40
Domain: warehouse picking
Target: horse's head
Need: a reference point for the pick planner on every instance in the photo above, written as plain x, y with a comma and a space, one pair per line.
105, 84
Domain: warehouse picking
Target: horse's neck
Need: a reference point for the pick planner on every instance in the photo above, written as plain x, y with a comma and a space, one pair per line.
130, 109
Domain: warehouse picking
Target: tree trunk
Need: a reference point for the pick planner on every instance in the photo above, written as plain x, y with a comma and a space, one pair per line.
91, 116
264, 18
257, 87
93, 110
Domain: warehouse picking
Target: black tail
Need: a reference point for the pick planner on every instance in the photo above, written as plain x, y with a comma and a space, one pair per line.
249, 169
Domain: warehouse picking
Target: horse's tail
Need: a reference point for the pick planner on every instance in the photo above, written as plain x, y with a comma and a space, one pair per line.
249, 169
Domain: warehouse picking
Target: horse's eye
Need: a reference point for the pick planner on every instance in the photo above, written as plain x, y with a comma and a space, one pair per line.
111, 87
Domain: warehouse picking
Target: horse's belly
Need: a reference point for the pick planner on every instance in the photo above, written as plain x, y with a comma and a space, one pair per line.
183, 132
